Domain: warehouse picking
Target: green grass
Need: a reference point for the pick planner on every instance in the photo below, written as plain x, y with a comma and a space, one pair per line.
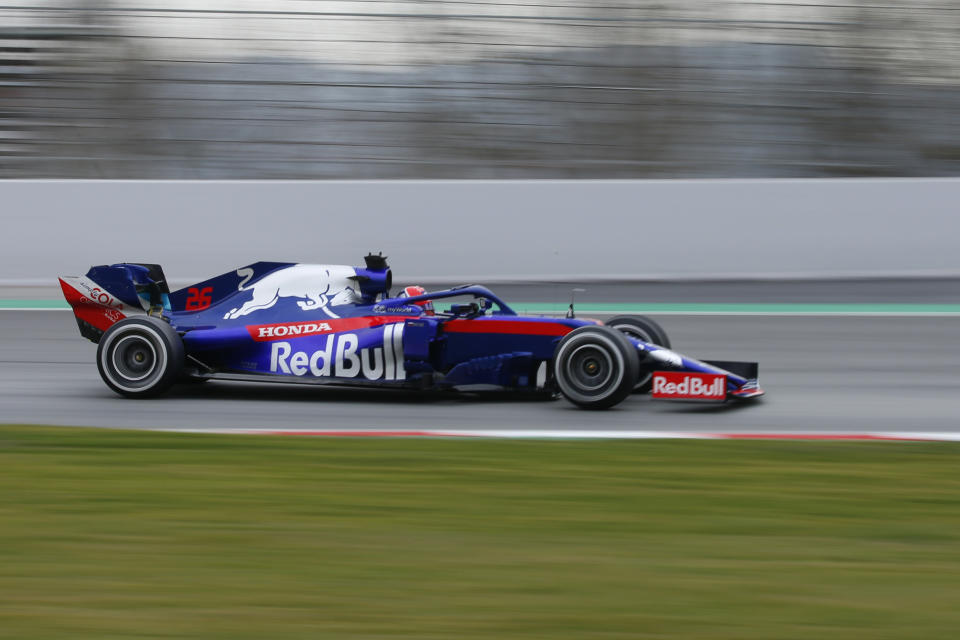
107, 534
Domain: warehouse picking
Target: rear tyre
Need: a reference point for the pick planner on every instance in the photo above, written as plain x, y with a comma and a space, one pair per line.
595, 367
647, 330
140, 357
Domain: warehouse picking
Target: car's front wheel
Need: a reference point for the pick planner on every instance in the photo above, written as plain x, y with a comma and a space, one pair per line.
595, 367
646, 330
140, 357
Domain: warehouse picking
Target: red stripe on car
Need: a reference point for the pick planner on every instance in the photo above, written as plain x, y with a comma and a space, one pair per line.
514, 327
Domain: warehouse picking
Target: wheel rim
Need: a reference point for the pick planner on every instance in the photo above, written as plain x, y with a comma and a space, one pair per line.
589, 367
639, 334
134, 358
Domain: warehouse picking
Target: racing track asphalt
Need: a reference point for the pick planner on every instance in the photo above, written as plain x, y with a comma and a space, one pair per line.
845, 373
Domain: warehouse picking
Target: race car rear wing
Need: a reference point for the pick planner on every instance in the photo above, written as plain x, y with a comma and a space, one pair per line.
110, 293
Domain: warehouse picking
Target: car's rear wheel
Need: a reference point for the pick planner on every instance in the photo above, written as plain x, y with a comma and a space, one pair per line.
595, 367
644, 329
140, 357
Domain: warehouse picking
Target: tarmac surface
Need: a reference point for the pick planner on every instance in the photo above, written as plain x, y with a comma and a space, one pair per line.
821, 374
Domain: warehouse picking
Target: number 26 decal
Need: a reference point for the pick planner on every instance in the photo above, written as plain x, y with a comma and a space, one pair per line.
198, 299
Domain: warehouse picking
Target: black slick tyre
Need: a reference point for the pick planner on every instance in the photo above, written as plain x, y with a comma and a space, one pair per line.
595, 367
642, 328
647, 330
140, 357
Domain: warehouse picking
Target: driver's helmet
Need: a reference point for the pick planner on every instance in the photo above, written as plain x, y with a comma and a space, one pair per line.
415, 290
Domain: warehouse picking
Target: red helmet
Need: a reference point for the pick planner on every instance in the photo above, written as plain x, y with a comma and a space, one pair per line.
415, 290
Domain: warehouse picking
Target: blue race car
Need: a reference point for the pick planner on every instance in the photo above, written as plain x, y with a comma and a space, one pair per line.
331, 324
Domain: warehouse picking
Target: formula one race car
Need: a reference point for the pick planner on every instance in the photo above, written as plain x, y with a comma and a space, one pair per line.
327, 324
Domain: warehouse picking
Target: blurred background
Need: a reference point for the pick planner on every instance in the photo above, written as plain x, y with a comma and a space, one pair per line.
478, 89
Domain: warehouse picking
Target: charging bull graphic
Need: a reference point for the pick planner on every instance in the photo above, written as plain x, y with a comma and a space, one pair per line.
317, 286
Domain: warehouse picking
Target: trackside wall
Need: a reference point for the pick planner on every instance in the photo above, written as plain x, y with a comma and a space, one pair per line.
468, 231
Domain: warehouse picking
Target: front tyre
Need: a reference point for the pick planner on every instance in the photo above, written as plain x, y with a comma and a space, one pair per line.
646, 330
595, 367
140, 357
641, 328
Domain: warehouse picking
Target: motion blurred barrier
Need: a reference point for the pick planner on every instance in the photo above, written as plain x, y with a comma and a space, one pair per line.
310, 89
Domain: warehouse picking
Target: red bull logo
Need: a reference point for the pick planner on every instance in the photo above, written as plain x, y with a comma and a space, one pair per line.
315, 286
689, 386
340, 357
